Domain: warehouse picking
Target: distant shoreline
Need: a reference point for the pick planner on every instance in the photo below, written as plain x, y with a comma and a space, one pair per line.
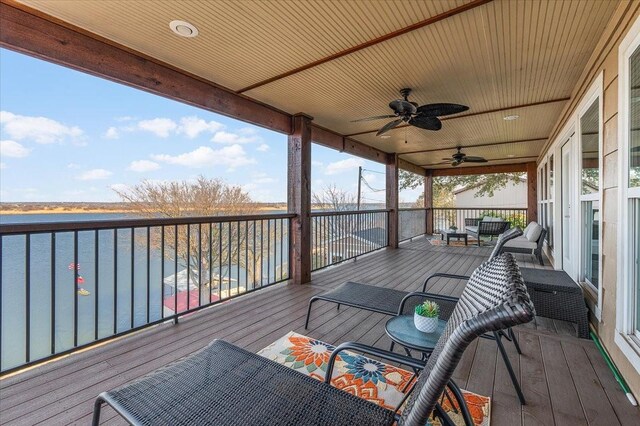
90, 208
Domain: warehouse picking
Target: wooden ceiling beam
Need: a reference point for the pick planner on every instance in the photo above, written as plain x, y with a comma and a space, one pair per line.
489, 111
75, 48
426, 22
482, 170
473, 146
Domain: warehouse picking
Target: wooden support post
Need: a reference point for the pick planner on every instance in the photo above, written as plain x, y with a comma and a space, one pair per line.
428, 201
299, 198
392, 199
532, 192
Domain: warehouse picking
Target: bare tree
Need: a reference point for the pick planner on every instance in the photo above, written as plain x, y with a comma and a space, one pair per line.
203, 248
334, 199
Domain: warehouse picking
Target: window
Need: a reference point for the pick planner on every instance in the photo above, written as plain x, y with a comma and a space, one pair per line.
590, 194
627, 337
633, 184
545, 206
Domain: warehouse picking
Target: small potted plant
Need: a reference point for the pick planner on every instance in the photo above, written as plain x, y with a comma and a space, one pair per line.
426, 315
453, 228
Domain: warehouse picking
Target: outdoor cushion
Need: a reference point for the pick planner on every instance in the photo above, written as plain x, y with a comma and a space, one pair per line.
528, 227
521, 242
472, 229
534, 233
491, 219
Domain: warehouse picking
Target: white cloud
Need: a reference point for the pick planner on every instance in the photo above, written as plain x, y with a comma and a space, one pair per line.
242, 137
119, 187
193, 126
263, 147
13, 149
124, 118
112, 133
94, 174
3, 166
316, 163
40, 129
142, 166
160, 127
73, 166
343, 166
230, 156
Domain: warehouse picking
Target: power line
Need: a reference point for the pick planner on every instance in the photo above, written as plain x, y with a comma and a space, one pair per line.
373, 171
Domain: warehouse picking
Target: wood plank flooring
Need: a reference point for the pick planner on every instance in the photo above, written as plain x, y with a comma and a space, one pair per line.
564, 379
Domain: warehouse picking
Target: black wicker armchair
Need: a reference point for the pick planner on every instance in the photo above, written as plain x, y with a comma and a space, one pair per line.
226, 385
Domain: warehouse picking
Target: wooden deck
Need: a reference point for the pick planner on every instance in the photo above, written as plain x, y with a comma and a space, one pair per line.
564, 379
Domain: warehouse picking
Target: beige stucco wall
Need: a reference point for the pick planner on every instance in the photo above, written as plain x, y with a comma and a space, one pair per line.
509, 197
605, 60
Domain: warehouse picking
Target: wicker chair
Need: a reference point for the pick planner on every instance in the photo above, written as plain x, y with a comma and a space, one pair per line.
226, 385
394, 302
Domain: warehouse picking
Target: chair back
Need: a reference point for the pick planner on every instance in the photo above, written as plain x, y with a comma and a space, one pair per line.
495, 298
509, 234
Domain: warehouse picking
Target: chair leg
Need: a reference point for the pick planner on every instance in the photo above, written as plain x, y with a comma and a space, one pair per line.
540, 258
507, 363
306, 323
338, 306
514, 339
97, 405
466, 415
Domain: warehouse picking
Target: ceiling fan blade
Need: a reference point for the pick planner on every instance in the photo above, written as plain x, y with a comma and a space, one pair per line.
423, 122
447, 159
475, 160
402, 107
438, 110
456, 163
390, 125
377, 117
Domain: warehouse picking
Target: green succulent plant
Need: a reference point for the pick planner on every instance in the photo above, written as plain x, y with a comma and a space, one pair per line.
428, 309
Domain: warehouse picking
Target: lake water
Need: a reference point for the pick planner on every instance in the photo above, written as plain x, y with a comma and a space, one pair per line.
113, 273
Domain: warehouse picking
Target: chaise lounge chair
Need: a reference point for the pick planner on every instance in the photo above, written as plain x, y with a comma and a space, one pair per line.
223, 384
391, 302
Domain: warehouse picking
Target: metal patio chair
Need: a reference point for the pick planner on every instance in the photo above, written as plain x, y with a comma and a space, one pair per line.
393, 302
223, 384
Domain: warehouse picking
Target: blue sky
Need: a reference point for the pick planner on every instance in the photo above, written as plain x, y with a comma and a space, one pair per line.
69, 136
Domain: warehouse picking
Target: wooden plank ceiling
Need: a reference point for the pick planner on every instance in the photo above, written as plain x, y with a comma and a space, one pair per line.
336, 61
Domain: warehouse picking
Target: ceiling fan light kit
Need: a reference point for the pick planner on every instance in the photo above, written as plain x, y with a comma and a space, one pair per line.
423, 117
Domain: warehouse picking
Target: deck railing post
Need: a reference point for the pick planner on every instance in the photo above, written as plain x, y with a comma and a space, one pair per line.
392, 199
428, 202
299, 198
532, 196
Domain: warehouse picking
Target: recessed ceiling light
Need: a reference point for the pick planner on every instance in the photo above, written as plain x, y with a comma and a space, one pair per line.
510, 155
385, 136
511, 117
183, 29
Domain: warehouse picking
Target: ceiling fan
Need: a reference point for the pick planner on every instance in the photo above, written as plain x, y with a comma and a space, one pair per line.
424, 117
460, 157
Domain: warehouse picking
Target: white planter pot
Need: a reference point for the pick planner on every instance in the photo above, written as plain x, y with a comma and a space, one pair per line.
424, 324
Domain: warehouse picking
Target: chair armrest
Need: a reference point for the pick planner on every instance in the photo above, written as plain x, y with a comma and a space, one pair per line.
443, 275
370, 350
445, 311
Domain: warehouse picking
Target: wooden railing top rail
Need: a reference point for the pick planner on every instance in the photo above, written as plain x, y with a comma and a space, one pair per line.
480, 208
346, 212
32, 228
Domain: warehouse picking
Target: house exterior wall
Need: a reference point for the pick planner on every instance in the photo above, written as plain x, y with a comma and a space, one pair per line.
510, 197
604, 64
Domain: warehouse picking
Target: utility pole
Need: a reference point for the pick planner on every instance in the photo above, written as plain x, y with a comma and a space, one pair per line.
359, 184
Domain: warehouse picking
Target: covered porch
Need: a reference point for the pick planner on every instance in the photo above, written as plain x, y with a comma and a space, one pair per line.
304, 73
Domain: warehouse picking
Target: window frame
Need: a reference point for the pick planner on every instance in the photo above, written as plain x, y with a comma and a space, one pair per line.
595, 92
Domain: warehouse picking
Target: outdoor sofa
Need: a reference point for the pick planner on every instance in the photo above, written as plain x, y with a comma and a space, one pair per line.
529, 242
223, 384
487, 226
